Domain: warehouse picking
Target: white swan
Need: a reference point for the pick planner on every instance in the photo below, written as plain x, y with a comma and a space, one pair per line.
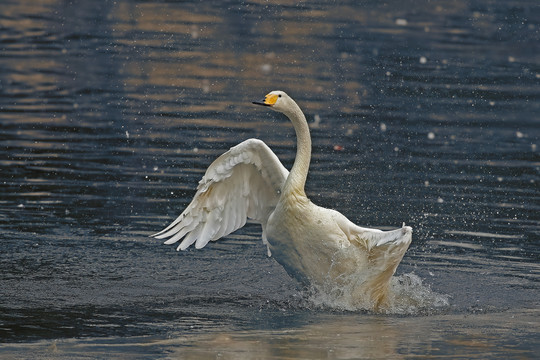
319, 247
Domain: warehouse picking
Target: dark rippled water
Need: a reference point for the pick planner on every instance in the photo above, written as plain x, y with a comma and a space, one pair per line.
110, 112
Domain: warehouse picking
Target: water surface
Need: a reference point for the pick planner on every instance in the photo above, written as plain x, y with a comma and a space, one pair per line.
110, 113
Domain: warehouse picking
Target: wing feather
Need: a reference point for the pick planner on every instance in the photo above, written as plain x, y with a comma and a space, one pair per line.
245, 182
189, 239
209, 229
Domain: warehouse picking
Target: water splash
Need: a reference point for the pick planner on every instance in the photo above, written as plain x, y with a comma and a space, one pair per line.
407, 295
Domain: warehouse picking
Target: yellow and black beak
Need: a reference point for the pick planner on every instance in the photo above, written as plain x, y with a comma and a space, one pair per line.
268, 100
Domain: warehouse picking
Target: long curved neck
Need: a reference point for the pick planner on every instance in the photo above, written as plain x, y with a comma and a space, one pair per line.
297, 177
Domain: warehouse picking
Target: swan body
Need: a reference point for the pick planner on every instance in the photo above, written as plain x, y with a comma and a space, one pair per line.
319, 247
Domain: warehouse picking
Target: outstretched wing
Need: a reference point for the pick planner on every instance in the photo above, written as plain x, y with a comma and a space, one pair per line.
245, 182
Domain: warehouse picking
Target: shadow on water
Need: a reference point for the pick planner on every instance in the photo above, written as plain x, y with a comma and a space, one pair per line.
111, 111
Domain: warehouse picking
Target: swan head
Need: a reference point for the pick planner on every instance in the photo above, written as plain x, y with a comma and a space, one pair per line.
278, 101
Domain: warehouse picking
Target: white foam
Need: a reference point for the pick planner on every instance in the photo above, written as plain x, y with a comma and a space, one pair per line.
407, 295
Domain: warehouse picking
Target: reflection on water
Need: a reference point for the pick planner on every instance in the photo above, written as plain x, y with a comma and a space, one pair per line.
111, 111
331, 336
340, 337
